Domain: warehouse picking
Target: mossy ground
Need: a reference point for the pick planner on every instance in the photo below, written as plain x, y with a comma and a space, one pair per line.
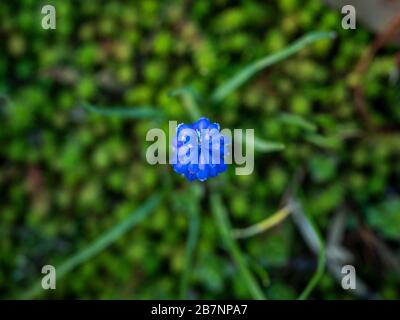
67, 176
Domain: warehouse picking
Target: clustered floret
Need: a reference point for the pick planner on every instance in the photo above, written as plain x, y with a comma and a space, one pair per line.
211, 147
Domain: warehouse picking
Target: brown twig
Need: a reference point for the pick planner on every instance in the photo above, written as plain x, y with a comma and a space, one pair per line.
362, 67
378, 247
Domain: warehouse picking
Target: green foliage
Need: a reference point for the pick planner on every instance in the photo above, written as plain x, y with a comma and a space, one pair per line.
133, 113
69, 175
385, 218
245, 74
105, 240
224, 227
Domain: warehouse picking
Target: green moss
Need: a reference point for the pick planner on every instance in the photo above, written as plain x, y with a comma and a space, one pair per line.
67, 175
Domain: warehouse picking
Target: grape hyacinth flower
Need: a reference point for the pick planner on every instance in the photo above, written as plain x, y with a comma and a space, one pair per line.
199, 150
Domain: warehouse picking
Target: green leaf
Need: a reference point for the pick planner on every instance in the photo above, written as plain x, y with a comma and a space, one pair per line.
191, 99
322, 168
385, 218
193, 212
298, 121
264, 225
267, 146
101, 243
313, 239
332, 142
223, 224
143, 112
185, 91
229, 86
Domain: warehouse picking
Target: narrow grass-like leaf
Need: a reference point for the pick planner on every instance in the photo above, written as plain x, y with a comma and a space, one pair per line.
298, 121
190, 99
267, 146
193, 236
264, 225
261, 273
143, 112
223, 224
186, 91
313, 239
221, 92
104, 241
332, 142
320, 269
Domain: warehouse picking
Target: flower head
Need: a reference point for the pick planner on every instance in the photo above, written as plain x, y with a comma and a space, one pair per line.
199, 150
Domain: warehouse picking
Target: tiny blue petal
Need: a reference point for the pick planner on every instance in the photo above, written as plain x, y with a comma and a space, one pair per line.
209, 137
202, 123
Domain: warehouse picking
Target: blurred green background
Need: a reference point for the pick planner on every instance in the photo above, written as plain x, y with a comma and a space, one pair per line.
67, 176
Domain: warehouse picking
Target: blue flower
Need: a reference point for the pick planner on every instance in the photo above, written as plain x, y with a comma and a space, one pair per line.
199, 150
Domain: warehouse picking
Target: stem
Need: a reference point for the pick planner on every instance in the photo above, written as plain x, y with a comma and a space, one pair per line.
191, 106
320, 267
189, 98
224, 227
193, 236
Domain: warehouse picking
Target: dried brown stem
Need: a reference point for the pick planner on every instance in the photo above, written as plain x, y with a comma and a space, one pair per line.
362, 67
